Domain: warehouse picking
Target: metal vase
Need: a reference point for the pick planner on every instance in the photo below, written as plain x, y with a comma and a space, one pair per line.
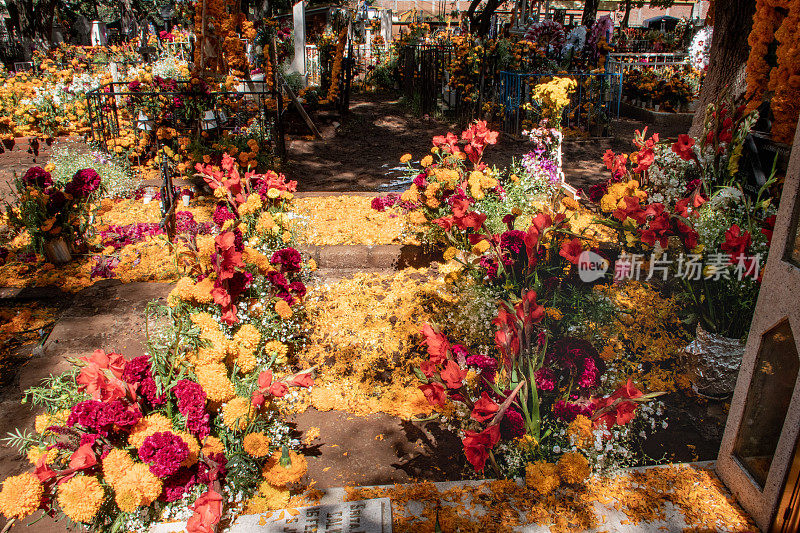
713, 363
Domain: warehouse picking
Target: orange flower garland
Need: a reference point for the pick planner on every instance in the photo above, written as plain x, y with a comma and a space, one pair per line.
776, 20
785, 79
333, 89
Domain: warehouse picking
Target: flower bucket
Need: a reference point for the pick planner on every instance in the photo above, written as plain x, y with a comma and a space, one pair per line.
713, 363
57, 251
186, 199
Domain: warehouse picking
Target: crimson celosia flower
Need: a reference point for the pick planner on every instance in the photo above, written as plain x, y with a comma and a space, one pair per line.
164, 452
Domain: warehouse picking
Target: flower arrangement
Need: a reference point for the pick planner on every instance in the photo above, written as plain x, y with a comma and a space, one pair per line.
553, 97
48, 210
192, 430
718, 231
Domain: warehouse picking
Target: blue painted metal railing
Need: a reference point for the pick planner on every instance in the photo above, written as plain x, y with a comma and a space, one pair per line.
595, 101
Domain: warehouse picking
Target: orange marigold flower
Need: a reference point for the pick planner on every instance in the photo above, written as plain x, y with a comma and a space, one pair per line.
542, 477
115, 465
283, 309
405, 158
573, 468
147, 426
213, 377
138, 487
20, 495
281, 476
212, 445
237, 413
81, 497
256, 444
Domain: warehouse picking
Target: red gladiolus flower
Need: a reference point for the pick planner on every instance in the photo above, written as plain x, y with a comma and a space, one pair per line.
472, 220
435, 393
302, 380
571, 250
43, 472
477, 445
659, 230
631, 209
768, 229
485, 408
736, 243
528, 311
446, 223
453, 375
428, 368
207, 512
622, 413
683, 147
438, 345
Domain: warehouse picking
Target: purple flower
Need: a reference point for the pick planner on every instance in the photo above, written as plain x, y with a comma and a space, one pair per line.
192, 404
567, 411
83, 183
221, 215
179, 484
513, 241
545, 379
512, 426
288, 258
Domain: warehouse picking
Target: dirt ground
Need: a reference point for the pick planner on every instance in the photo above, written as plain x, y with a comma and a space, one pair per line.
359, 150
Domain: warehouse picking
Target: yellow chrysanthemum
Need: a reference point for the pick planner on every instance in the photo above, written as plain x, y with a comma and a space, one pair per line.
81, 497
213, 377
237, 413
115, 465
212, 445
542, 477
136, 488
256, 444
573, 468
147, 426
20, 495
278, 349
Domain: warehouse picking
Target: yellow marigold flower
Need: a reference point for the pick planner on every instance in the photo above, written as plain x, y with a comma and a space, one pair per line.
36, 453
182, 290
569, 203
42, 423
283, 309
246, 342
81, 497
405, 158
237, 413
115, 465
220, 192
258, 259
411, 194
480, 247
580, 432
192, 444
213, 377
608, 203
268, 499
138, 487
256, 444
273, 193
212, 445
417, 218
312, 265
265, 223
286, 237
49, 167
148, 425
573, 468
426, 161
554, 313
20, 495
201, 292
542, 477
278, 349
450, 253
281, 476
205, 245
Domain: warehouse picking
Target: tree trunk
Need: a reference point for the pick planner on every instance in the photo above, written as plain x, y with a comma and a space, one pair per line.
589, 12
626, 18
733, 20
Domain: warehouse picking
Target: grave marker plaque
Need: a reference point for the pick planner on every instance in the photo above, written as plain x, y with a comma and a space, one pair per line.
364, 516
